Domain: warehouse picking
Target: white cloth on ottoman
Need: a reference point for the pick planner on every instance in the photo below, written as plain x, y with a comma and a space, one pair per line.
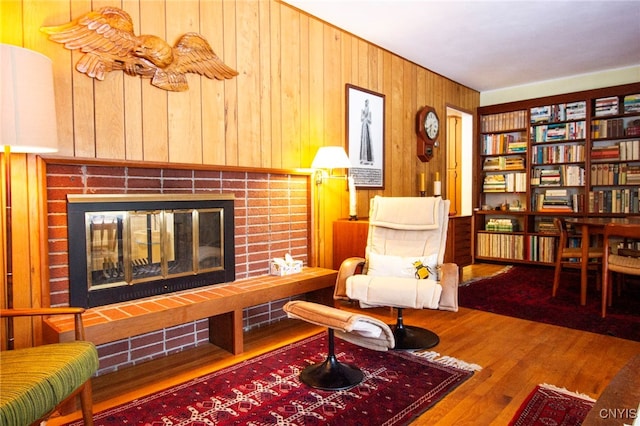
358, 329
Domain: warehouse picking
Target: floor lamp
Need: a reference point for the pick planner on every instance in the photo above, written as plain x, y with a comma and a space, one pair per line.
327, 159
28, 119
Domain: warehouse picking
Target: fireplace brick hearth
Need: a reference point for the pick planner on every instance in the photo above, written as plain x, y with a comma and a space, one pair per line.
272, 216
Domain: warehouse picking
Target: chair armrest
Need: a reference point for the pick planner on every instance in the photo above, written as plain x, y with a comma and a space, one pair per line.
31, 312
449, 280
348, 268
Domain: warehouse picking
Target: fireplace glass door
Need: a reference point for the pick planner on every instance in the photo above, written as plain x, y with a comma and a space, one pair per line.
130, 247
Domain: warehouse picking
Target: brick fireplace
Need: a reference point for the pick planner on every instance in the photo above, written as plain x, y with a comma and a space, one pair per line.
272, 218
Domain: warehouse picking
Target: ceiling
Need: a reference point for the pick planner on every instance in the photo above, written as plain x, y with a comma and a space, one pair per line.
492, 45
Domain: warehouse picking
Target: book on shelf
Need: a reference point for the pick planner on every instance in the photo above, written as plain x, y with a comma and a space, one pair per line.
511, 182
615, 174
549, 177
629, 150
606, 106
576, 110
546, 226
559, 112
572, 175
632, 128
605, 152
503, 121
557, 201
503, 163
540, 114
516, 146
542, 249
501, 225
608, 128
548, 154
616, 200
559, 132
503, 246
631, 103
494, 183
502, 143
632, 175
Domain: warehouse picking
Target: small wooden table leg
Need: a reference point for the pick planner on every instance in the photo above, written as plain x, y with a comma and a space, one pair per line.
225, 331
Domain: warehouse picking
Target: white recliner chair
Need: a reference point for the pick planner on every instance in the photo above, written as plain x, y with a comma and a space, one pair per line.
406, 235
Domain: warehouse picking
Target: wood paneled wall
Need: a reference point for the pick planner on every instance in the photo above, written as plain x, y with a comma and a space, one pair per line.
288, 99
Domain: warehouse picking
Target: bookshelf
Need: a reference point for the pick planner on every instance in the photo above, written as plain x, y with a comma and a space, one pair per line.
571, 155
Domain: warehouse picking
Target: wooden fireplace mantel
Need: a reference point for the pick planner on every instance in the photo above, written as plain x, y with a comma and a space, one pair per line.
222, 304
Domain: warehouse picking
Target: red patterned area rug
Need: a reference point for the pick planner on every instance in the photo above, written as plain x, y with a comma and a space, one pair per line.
549, 405
265, 390
525, 292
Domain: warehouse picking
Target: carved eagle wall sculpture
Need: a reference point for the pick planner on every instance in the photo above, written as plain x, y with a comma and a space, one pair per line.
107, 40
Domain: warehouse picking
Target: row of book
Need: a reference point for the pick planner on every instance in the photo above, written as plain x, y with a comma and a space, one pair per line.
609, 128
631, 103
558, 132
611, 105
614, 201
555, 113
504, 121
556, 200
562, 175
504, 246
606, 106
501, 225
559, 112
500, 245
503, 143
628, 150
503, 163
510, 182
605, 152
615, 174
549, 154
546, 226
542, 249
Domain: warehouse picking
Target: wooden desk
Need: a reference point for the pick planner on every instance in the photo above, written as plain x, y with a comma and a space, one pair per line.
593, 226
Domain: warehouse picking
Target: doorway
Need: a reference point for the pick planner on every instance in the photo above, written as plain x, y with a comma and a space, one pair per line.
459, 161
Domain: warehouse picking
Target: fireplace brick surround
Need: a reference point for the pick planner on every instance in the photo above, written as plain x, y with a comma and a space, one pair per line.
272, 217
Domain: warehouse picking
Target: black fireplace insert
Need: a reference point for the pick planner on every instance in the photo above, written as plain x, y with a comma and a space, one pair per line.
126, 247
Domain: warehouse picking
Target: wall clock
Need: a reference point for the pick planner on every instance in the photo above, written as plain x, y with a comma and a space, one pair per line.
427, 128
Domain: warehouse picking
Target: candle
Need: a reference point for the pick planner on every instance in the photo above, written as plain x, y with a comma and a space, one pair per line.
352, 197
423, 183
437, 176
437, 188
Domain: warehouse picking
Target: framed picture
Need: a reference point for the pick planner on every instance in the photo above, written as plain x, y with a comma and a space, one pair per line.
365, 136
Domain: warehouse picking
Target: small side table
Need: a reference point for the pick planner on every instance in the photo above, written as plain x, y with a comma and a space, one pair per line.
349, 239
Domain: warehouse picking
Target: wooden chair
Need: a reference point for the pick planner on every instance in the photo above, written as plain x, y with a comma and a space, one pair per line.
35, 381
617, 262
567, 256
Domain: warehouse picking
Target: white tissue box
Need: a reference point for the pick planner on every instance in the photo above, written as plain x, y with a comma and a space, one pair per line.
281, 270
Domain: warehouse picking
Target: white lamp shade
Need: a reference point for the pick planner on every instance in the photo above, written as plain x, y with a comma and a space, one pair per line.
28, 115
331, 157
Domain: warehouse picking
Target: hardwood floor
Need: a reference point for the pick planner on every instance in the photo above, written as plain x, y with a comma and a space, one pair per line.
515, 355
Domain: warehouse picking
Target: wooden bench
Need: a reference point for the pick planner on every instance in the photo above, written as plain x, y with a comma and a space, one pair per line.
222, 304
